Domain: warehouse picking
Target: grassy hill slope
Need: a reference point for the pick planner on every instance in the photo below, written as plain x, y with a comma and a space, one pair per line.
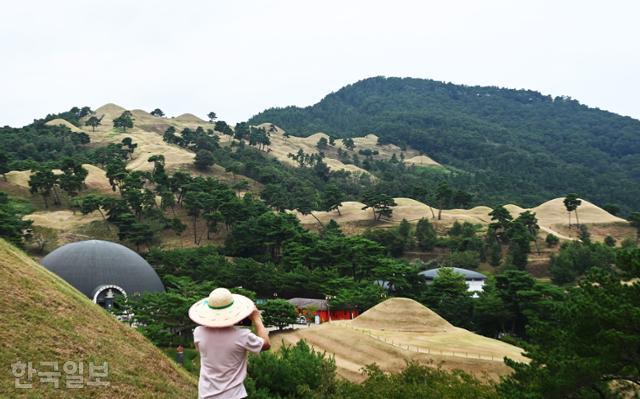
515, 145
399, 330
45, 319
552, 217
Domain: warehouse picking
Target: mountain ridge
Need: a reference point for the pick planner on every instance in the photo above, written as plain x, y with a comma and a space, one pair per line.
516, 145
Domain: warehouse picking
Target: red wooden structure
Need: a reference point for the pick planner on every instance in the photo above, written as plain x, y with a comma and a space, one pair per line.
310, 307
336, 315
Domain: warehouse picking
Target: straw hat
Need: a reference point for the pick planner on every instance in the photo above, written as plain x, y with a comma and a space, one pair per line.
221, 309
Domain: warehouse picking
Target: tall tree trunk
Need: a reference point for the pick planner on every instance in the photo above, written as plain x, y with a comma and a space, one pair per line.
569, 212
433, 215
318, 220
577, 220
338, 209
534, 233
195, 230
199, 239
104, 219
439, 213
56, 197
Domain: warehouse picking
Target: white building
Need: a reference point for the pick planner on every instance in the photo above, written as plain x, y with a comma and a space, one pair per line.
474, 280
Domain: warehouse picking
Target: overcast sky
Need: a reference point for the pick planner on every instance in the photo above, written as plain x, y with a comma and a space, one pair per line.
239, 57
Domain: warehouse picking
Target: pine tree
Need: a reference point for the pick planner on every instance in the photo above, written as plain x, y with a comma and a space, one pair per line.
124, 121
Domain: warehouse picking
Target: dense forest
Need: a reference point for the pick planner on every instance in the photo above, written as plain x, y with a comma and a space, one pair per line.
506, 145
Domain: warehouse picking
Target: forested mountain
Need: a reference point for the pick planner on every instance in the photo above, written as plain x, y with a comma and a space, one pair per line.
508, 145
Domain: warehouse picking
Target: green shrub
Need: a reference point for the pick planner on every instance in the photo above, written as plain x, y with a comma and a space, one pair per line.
417, 381
464, 259
293, 372
278, 313
610, 241
551, 240
299, 372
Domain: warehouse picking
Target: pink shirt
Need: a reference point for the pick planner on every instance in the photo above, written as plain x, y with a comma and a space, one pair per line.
223, 360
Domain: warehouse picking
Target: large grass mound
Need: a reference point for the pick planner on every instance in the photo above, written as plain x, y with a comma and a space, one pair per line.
552, 217
96, 178
45, 319
400, 330
402, 314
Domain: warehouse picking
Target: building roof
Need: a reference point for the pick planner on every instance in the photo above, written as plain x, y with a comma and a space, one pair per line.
305, 303
87, 265
468, 274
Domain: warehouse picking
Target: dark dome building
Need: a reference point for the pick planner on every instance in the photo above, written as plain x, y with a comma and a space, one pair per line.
102, 269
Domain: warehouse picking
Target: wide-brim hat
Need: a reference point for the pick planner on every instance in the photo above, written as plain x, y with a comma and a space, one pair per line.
221, 309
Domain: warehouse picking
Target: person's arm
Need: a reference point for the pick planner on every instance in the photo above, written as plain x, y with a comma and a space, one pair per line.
261, 331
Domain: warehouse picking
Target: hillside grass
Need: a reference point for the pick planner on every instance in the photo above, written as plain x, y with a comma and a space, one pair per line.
400, 330
45, 319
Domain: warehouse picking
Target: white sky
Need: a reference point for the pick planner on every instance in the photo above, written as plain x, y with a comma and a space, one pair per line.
238, 58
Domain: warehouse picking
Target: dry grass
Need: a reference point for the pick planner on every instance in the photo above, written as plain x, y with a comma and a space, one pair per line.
147, 133
189, 118
45, 319
554, 212
552, 217
62, 122
62, 220
282, 146
421, 160
18, 178
96, 178
598, 231
402, 315
404, 322
148, 129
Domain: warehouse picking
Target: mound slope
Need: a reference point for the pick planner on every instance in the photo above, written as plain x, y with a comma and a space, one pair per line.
96, 178
552, 217
282, 146
45, 319
65, 123
109, 111
554, 212
399, 330
402, 314
189, 118
421, 160
147, 133
62, 219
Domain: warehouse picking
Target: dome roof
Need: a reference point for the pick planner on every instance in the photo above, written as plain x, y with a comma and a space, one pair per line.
468, 274
88, 265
